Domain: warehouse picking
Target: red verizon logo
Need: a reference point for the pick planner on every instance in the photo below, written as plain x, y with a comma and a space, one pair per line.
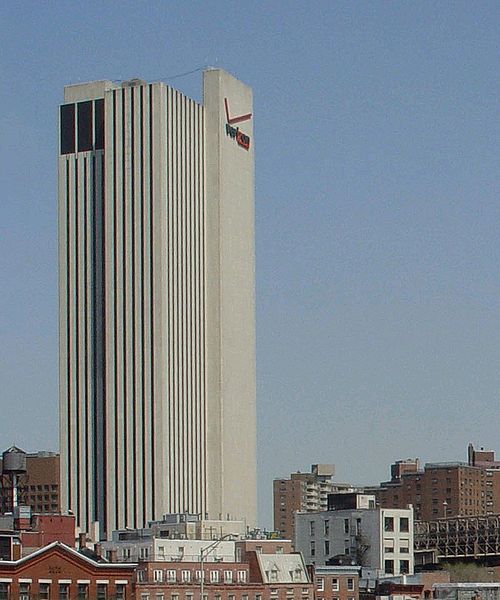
241, 138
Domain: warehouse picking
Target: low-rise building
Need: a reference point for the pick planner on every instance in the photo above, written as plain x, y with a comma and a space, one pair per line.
57, 571
336, 582
22, 533
134, 548
466, 591
187, 526
373, 537
261, 577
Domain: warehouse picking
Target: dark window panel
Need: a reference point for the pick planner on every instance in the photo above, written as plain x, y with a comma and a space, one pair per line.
84, 126
67, 128
99, 124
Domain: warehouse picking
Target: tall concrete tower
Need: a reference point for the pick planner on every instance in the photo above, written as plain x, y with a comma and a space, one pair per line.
157, 326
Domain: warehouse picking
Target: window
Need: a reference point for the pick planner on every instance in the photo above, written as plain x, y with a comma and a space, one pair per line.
82, 591
120, 591
84, 126
143, 553
312, 526
214, 576
185, 576
388, 523
63, 591
67, 141
99, 124
158, 575
24, 591
327, 527
346, 525
43, 591
102, 591
144, 596
404, 567
313, 549
230, 597
4, 591
404, 524
228, 577
358, 526
320, 584
389, 567
242, 577
327, 547
350, 584
335, 585
171, 576
160, 597
258, 596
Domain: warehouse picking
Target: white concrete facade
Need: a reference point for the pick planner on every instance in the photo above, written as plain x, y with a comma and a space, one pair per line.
154, 548
157, 328
378, 538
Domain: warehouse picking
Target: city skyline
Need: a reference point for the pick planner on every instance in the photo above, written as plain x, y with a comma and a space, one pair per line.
377, 226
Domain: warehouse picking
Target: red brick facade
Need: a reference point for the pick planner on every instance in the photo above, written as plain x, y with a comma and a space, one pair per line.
160, 580
336, 583
57, 571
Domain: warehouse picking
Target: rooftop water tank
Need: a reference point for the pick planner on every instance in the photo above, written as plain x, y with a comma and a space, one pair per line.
14, 460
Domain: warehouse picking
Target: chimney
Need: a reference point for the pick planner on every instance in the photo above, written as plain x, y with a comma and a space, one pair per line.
82, 540
16, 551
113, 556
98, 550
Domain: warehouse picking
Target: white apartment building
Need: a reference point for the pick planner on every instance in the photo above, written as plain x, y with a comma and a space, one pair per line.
156, 297
158, 549
378, 538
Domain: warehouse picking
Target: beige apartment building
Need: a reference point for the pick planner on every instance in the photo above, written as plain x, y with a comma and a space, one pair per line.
157, 327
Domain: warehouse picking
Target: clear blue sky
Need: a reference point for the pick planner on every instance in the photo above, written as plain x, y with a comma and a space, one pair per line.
377, 213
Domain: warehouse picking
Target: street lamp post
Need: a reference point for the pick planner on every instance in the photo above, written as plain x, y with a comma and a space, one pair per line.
204, 552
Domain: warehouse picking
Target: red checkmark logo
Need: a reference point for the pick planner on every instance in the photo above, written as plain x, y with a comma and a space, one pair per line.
233, 120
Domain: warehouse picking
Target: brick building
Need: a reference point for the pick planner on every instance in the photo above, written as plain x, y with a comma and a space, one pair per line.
336, 582
22, 533
444, 489
260, 577
57, 571
303, 492
38, 487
